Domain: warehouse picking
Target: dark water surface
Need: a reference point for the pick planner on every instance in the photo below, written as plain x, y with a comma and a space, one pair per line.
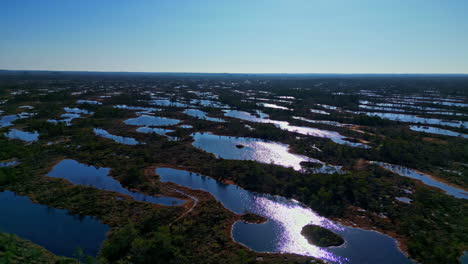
284, 125
439, 131
146, 120
81, 174
54, 229
119, 139
405, 172
201, 115
282, 232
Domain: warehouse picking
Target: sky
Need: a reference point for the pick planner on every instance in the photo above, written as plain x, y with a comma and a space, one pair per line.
236, 36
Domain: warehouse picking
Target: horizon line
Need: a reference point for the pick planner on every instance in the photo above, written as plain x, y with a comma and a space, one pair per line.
251, 73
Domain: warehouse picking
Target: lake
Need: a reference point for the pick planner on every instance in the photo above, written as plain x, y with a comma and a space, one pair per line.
243, 148
156, 130
284, 125
416, 119
81, 174
405, 172
146, 120
438, 131
286, 217
22, 135
119, 139
54, 229
6, 121
201, 115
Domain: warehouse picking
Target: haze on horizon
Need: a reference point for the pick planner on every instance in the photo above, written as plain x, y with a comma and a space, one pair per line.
244, 36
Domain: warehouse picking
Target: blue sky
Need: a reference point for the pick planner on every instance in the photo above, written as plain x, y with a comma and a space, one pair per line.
249, 36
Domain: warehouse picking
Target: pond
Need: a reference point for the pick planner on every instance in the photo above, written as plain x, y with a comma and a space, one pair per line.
286, 97
426, 179
54, 229
81, 174
88, 102
317, 111
22, 135
77, 111
167, 102
402, 105
26, 107
438, 131
6, 121
284, 125
381, 108
242, 148
274, 106
416, 119
159, 131
404, 199
208, 103
146, 120
325, 122
143, 110
422, 110
201, 115
8, 163
286, 218
329, 107
446, 103
67, 119
119, 139
464, 258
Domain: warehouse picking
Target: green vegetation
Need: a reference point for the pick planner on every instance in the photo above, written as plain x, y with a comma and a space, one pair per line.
432, 229
14, 250
321, 237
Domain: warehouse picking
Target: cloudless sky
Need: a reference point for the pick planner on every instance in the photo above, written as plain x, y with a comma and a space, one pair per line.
249, 36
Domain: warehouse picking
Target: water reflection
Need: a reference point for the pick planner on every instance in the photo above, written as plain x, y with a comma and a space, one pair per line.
55, 229
438, 131
405, 172
167, 102
6, 121
248, 149
67, 119
284, 125
274, 106
208, 103
8, 163
159, 131
416, 119
326, 122
119, 139
425, 110
242, 148
22, 135
77, 111
81, 174
286, 218
464, 258
404, 199
317, 111
201, 115
146, 120
88, 102
143, 110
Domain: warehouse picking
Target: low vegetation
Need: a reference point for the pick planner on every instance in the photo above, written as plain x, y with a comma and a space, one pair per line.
321, 237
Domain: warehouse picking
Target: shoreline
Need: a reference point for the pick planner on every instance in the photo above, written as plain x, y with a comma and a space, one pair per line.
401, 242
463, 190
